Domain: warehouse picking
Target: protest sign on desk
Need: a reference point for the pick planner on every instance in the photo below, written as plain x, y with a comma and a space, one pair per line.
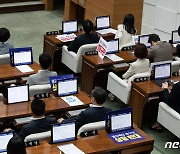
102, 47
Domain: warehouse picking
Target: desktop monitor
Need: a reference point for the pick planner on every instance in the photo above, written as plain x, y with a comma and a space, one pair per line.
67, 87
144, 39
162, 71
4, 139
69, 26
113, 46
17, 94
62, 132
119, 120
175, 37
21, 56
102, 22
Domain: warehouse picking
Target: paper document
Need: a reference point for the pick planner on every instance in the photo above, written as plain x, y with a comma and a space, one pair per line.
72, 100
24, 68
66, 37
70, 149
106, 31
114, 57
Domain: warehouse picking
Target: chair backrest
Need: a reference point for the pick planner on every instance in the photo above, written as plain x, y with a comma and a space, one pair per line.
38, 136
92, 126
1, 96
4, 59
175, 66
39, 89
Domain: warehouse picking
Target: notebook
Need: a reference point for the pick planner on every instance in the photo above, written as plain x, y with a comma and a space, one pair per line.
113, 46
175, 38
70, 26
62, 132
21, 56
67, 87
4, 139
144, 39
17, 94
161, 73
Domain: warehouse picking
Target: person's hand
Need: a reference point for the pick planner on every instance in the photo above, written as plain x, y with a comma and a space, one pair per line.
7, 130
165, 85
60, 120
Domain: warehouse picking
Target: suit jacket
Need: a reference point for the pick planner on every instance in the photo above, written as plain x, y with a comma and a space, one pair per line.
139, 66
37, 126
92, 114
4, 48
40, 78
82, 40
173, 98
161, 52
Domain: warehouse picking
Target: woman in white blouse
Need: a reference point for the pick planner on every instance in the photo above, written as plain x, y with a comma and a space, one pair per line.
125, 31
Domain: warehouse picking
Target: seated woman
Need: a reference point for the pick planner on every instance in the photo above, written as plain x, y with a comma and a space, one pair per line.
125, 31
141, 65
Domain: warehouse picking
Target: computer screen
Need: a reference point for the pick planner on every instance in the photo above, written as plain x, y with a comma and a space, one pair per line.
162, 71
4, 139
21, 56
69, 26
102, 22
63, 132
175, 37
17, 94
113, 46
144, 39
67, 86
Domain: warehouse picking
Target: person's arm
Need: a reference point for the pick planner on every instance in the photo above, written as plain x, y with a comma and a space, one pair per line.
151, 53
23, 132
29, 81
129, 72
74, 46
119, 32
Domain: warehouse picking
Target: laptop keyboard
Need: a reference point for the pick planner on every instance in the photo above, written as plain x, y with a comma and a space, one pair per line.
159, 82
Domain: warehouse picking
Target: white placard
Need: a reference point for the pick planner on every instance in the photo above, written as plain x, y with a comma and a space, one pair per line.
102, 47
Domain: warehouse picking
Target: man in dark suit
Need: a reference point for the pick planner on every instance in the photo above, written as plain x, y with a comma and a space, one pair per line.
87, 38
95, 113
39, 123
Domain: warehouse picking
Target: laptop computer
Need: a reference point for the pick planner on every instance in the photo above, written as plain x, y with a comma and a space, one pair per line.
113, 46
62, 132
21, 56
161, 73
4, 139
175, 38
102, 22
69, 27
144, 39
67, 87
16, 94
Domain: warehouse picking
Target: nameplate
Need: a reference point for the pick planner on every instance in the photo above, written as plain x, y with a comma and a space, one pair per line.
32, 143
175, 74
89, 133
142, 79
91, 53
43, 95
128, 48
52, 33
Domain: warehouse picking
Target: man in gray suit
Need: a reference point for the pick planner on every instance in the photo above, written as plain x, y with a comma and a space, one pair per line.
160, 50
42, 76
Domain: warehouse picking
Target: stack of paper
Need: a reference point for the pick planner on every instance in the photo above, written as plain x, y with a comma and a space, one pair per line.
70, 149
66, 37
72, 100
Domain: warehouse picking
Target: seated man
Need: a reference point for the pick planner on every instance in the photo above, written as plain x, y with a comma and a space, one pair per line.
95, 113
39, 123
160, 51
4, 36
42, 77
87, 38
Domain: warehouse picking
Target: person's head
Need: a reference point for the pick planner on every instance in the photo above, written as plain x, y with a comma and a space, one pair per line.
99, 95
16, 145
128, 22
4, 34
38, 107
153, 39
140, 51
45, 60
87, 26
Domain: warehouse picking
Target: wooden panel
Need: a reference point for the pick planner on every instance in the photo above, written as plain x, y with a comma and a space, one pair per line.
48, 4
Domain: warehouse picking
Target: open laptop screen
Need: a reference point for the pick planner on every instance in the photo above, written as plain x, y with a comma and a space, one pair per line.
4, 139
67, 86
102, 22
175, 37
144, 39
17, 94
63, 132
69, 26
21, 56
113, 46
162, 71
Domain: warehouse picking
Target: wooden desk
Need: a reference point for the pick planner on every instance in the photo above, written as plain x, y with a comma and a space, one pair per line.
140, 93
100, 143
95, 70
8, 72
53, 104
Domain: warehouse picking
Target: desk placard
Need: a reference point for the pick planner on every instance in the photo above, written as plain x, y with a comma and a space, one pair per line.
89, 133
43, 95
32, 143
102, 47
